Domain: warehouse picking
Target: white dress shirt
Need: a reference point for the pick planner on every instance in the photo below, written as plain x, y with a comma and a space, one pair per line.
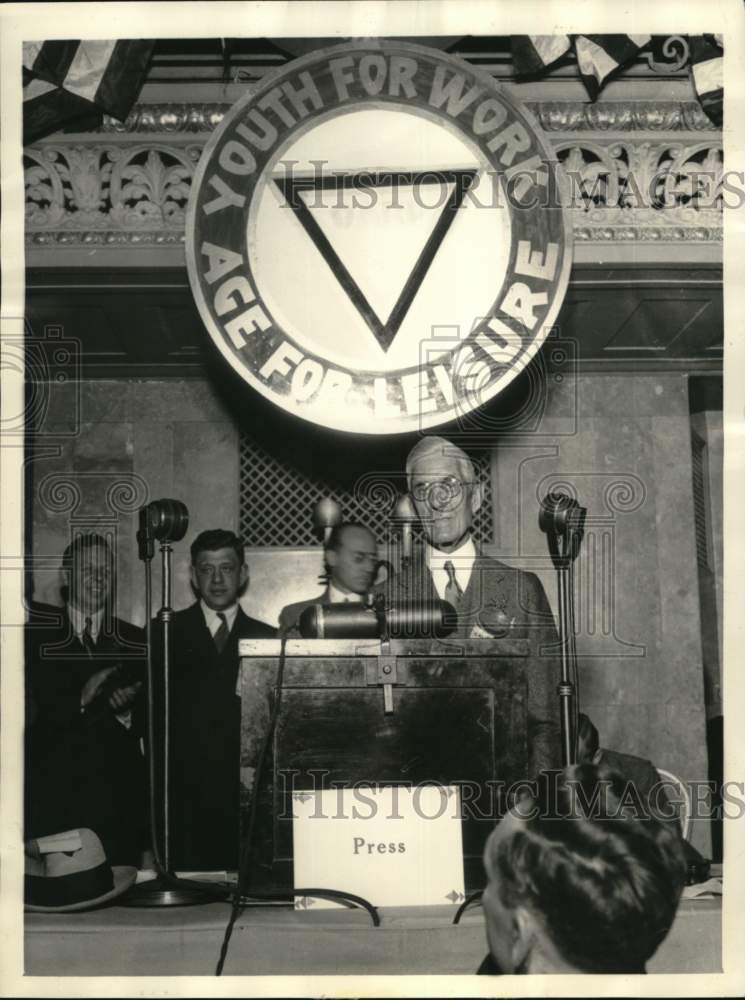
213, 622
462, 559
337, 596
77, 619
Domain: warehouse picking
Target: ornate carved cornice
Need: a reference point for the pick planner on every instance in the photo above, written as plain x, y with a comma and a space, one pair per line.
646, 234
553, 116
582, 233
621, 116
167, 119
639, 172
74, 238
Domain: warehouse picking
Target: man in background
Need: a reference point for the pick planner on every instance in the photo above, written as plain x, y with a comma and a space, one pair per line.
85, 670
490, 599
351, 557
644, 781
579, 882
205, 709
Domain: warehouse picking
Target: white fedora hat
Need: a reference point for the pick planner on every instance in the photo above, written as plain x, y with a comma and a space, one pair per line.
69, 871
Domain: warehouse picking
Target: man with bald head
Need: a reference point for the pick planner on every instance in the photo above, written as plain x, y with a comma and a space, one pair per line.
351, 557
490, 599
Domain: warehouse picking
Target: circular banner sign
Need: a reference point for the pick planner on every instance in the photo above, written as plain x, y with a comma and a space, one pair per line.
376, 239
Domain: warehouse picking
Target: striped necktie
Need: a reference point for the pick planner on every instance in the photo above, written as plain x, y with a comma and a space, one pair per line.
453, 591
86, 638
221, 636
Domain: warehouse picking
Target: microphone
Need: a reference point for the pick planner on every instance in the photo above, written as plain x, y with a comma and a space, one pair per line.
410, 620
326, 516
164, 520
561, 513
404, 515
145, 538
339, 621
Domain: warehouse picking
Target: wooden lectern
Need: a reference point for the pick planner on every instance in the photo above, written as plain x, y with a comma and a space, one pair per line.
409, 711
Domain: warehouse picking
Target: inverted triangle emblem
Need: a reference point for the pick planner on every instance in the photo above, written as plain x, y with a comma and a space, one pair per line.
384, 300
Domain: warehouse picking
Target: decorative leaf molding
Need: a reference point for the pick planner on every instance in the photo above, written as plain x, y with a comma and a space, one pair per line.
553, 116
644, 171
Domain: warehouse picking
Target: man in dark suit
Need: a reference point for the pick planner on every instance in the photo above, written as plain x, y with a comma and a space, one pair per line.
205, 709
84, 675
351, 557
490, 599
645, 785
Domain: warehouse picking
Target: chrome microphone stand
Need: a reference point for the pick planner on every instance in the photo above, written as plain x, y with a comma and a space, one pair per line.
563, 522
165, 521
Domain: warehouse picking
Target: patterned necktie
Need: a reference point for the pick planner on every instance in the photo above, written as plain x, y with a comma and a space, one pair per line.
221, 636
87, 638
453, 591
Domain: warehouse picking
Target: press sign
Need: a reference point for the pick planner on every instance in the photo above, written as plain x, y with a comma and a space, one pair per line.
394, 846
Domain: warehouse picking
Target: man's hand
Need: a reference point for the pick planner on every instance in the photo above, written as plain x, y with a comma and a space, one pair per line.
123, 698
92, 685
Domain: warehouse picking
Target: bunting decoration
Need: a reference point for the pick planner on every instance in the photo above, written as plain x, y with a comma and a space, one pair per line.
70, 83
707, 60
534, 54
600, 56
47, 109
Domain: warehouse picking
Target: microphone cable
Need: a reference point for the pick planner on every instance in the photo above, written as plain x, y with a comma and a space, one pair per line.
469, 900
242, 896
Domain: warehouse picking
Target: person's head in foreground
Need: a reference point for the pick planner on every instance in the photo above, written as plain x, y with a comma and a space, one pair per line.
576, 883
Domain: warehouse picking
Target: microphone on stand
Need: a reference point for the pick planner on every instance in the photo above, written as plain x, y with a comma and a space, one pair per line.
404, 516
145, 536
561, 517
562, 520
164, 521
326, 517
161, 520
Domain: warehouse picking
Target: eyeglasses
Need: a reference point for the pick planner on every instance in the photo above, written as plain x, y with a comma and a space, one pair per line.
440, 493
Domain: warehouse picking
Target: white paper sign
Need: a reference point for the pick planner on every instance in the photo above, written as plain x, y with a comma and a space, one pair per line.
394, 846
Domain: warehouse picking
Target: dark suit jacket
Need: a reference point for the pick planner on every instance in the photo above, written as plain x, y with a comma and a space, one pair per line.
289, 616
82, 769
647, 791
505, 603
205, 746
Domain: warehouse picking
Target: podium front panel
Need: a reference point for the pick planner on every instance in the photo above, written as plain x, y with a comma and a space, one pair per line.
459, 717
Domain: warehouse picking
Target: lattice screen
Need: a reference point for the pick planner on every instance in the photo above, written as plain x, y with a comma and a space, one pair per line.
276, 500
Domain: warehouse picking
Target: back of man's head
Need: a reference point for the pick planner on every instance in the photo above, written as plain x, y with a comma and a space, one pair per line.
600, 882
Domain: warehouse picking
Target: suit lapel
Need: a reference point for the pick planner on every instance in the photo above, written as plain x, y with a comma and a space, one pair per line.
422, 586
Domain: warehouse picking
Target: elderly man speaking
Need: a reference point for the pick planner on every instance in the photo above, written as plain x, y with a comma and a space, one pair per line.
491, 599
